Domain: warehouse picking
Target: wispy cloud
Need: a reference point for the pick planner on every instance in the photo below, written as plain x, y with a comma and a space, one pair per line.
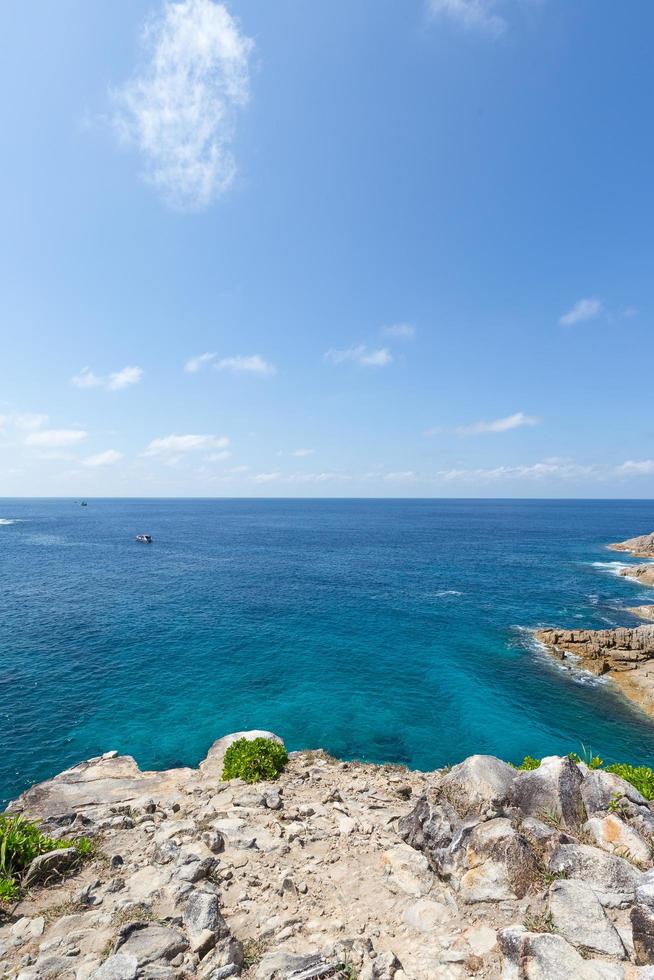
476, 15
28, 421
636, 467
300, 453
366, 356
267, 477
181, 109
516, 421
194, 364
252, 364
56, 438
174, 444
555, 468
400, 476
583, 309
107, 458
400, 331
115, 381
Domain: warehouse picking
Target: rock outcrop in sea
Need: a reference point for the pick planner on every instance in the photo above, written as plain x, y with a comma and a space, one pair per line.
641, 547
644, 574
339, 869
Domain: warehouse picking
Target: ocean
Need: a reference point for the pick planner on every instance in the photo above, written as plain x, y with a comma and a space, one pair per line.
386, 630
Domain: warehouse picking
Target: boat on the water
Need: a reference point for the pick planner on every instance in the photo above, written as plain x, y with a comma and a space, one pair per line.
144, 538
84, 504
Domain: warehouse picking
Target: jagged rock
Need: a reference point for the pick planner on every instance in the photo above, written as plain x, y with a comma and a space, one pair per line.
121, 966
578, 916
202, 913
612, 878
599, 788
225, 960
645, 890
617, 837
478, 781
554, 788
642, 546
544, 956
290, 966
150, 941
385, 966
642, 573
195, 869
52, 864
429, 828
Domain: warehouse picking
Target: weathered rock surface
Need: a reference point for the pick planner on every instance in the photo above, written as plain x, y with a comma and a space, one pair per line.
641, 546
643, 612
339, 869
644, 574
624, 654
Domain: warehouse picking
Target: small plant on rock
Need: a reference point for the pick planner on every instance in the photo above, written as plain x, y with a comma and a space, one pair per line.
539, 922
254, 761
529, 763
20, 842
642, 777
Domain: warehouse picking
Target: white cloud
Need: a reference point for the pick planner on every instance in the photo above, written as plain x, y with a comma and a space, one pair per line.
123, 379
194, 364
28, 421
636, 467
515, 421
300, 453
567, 470
218, 457
368, 357
584, 309
180, 111
106, 458
253, 364
115, 381
267, 477
238, 469
471, 14
400, 331
56, 438
174, 444
400, 476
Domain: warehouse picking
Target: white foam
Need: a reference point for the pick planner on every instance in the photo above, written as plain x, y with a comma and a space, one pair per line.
569, 664
7, 520
445, 592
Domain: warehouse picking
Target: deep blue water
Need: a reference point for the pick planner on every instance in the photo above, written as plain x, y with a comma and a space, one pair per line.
390, 630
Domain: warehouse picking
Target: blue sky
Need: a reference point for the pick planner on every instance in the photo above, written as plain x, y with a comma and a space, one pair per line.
310, 249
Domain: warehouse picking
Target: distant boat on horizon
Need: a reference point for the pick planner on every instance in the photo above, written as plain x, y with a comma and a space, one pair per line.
144, 538
84, 504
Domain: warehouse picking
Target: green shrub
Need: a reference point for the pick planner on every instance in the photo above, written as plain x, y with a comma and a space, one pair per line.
254, 761
22, 841
529, 763
642, 777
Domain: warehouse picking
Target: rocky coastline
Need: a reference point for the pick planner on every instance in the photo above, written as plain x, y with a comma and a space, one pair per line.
338, 869
641, 546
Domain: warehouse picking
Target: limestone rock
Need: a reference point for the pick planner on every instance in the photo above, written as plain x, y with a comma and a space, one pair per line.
407, 871
496, 863
543, 956
578, 916
478, 781
599, 788
641, 546
290, 966
642, 925
616, 836
553, 788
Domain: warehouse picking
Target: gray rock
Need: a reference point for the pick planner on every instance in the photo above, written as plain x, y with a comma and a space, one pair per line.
212, 765
599, 788
150, 941
478, 781
51, 865
289, 966
614, 835
553, 789
165, 852
495, 862
122, 966
645, 890
578, 916
543, 956
202, 912
537, 829
195, 869
642, 926
613, 879
214, 841
430, 828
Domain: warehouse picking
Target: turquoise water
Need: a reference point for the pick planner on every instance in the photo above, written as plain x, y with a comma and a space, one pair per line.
385, 630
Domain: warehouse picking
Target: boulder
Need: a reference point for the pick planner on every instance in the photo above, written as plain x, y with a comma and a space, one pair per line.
121, 966
613, 879
430, 828
212, 765
554, 789
578, 916
616, 836
645, 890
202, 913
599, 788
51, 865
642, 927
494, 863
478, 781
150, 941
